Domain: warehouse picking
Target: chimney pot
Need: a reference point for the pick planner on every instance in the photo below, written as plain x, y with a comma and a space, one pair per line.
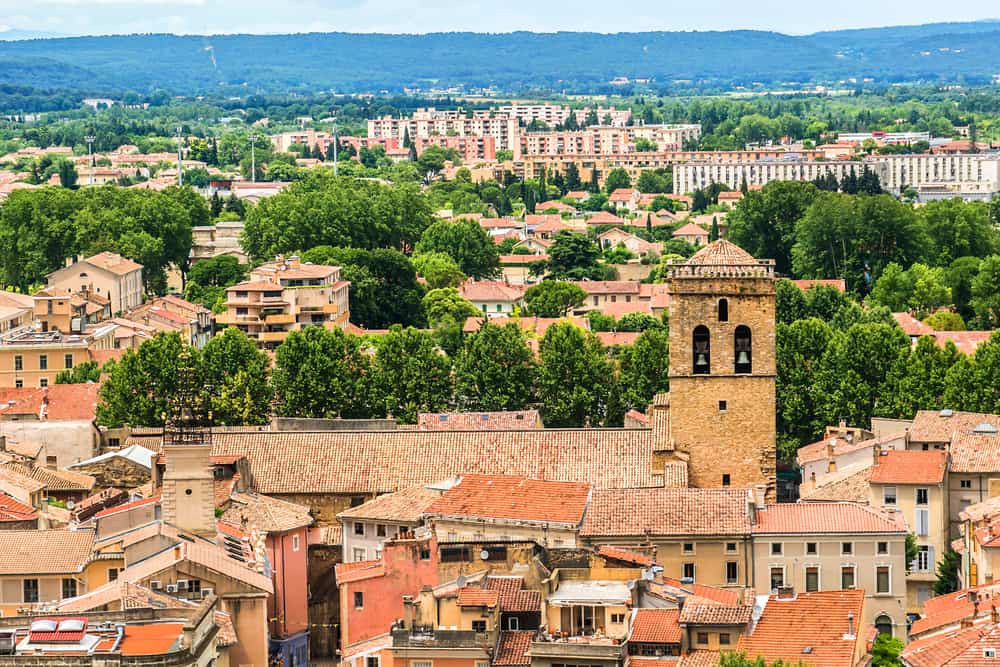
786, 592
850, 624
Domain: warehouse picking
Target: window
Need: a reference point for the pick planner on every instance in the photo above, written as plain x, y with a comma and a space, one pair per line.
484, 307
18, 383
847, 577
359, 528
240, 312
44, 382
811, 549
730, 547
380, 530
847, 548
882, 548
726, 479
702, 637
884, 625
618, 619
724, 639
360, 554
702, 350
924, 560
776, 549
743, 350
499, 307
295, 542
882, 579
18, 363
52, 461
371, 661
965, 483
479, 626
68, 360
30, 590
922, 496
425, 554
113, 574
421, 663
688, 547
688, 571
723, 310
359, 600
812, 579
777, 578
43, 362
732, 572
723, 406
889, 495
614, 298
923, 522
68, 588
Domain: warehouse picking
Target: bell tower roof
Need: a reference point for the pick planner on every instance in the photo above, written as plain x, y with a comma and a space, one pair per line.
721, 259
722, 252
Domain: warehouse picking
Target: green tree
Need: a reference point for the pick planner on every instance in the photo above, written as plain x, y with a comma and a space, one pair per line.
446, 303
323, 373
960, 275
893, 289
945, 320
411, 374
467, 243
495, 369
575, 377
574, 257
799, 348
645, 369
67, 174
653, 181
957, 229
237, 372
438, 269
930, 291
921, 382
142, 383
947, 573
553, 298
886, 650
763, 222
986, 292
87, 371
617, 179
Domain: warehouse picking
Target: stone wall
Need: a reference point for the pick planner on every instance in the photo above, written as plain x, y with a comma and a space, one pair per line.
115, 473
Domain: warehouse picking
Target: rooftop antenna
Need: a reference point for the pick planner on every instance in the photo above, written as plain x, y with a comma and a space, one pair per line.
180, 160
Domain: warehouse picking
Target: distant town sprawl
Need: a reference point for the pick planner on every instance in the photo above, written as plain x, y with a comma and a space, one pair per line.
550, 384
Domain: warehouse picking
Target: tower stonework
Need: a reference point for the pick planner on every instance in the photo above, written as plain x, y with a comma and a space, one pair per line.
722, 368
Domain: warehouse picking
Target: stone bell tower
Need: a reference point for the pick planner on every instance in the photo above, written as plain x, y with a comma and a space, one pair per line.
722, 367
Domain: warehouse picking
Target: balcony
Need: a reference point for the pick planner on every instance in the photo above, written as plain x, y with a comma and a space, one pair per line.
273, 336
280, 318
581, 648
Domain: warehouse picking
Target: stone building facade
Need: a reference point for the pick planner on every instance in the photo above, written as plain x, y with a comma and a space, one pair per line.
722, 368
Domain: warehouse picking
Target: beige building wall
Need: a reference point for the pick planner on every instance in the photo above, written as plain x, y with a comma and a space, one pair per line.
547, 535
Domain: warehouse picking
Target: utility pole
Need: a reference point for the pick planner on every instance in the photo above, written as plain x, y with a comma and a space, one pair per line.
90, 151
180, 159
253, 158
335, 146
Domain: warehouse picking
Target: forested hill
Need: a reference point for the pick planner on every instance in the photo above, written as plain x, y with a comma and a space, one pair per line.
567, 61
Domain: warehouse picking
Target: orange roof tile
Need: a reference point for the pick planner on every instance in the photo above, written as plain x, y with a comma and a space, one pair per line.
45, 551
940, 649
911, 325
66, 402
477, 597
722, 252
605, 218
965, 342
626, 556
910, 467
940, 426
814, 621
840, 518
491, 290
655, 626
667, 511
976, 451
151, 639
700, 658
405, 506
512, 648
12, 510
114, 263
513, 597
690, 229
518, 498
840, 285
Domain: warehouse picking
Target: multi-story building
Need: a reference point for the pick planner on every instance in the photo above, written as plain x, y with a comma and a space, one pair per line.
832, 547
980, 542
430, 122
972, 175
172, 313
108, 274
30, 357
367, 527
284, 296
695, 175
222, 238
494, 297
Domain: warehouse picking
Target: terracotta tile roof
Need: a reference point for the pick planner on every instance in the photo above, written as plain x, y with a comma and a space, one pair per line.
128, 594
725, 596
54, 479
537, 326
142, 502
940, 650
952, 608
114, 263
690, 229
209, 556
45, 551
818, 451
358, 570
941, 426
637, 416
707, 611
839, 518
605, 218
665, 511
405, 506
368, 461
910, 467
12, 510
655, 626
491, 290
843, 486
150, 639
975, 452
255, 286
612, 338
478, 421
477, 597
911, 326
546, 223
840, 285
502, 497
264, 513
700, 658
817, 621
625, 556
11, 474
66, 402
977, 512
286, 271
622, 194
722, 252
227, 631
556, 204
608, 286
512, 648
965, 342
513, 598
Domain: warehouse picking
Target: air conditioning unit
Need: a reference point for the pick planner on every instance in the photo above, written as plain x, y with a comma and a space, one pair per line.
205, 592
156, 585
171, 588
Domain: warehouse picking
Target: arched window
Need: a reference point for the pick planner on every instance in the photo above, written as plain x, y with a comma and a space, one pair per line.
723, 310
702, 350
884, 625
743, 349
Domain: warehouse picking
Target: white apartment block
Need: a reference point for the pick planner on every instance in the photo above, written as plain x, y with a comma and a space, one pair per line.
426, 123
697, 175
980, 171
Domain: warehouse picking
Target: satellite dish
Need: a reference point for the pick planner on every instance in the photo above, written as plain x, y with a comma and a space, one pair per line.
70, 504
461, 581
484, 554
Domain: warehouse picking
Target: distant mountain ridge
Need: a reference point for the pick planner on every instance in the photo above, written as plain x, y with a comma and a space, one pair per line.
572, 61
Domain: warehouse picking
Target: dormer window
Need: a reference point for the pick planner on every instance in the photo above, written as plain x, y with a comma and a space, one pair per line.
743, 350
723, 310
702, 350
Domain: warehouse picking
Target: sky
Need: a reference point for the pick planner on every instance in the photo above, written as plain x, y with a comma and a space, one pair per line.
77, 17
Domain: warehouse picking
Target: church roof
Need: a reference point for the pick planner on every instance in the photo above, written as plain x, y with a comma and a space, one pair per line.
722, 252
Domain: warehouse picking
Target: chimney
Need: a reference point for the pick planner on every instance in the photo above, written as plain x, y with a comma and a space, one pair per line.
829, 447
974, 599
850, 626
681, 598
759, 493
3, 443
843, 423
786, 592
